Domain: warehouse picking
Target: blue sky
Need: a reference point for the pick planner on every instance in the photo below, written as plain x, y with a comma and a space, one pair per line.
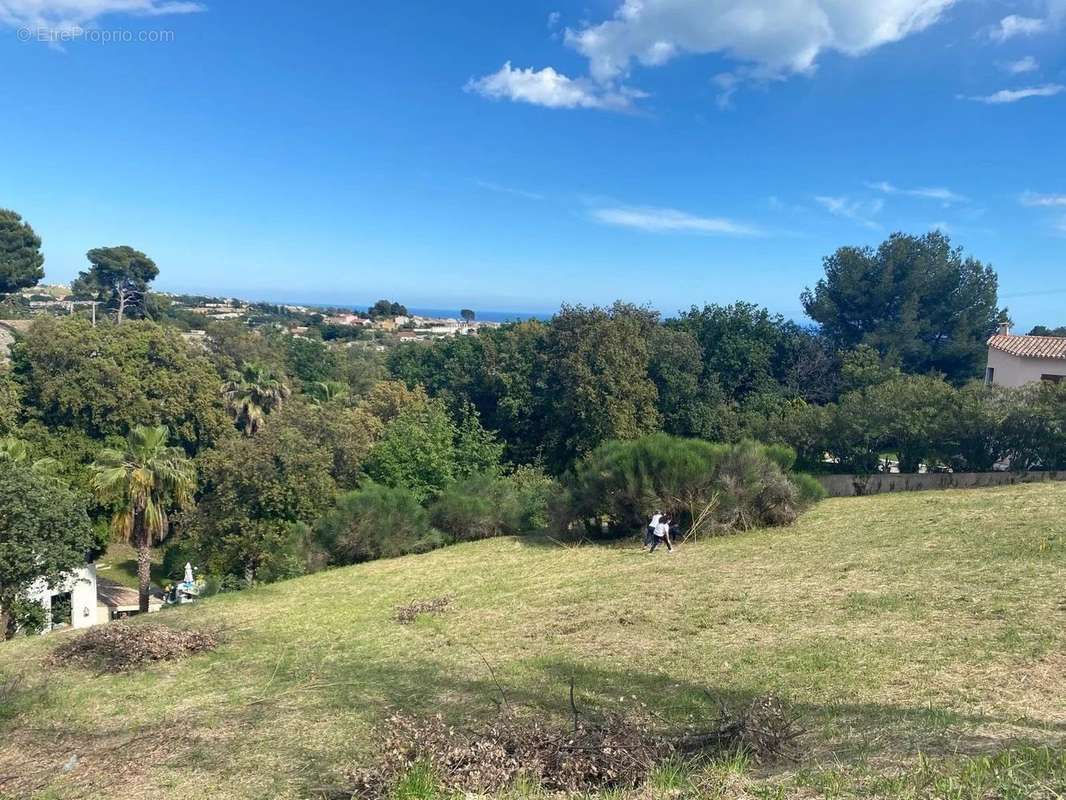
516, 155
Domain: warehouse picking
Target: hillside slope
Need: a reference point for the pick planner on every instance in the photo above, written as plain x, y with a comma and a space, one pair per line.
930, 622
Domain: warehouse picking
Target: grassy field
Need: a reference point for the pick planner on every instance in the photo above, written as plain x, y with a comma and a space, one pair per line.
922, 637
119, 564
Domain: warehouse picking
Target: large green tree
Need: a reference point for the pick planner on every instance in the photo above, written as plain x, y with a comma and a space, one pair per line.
916, 299
144, 482
102, 381
599, 387
21, 261
256, 492
749, 351
44, 535
119, 277
423, 449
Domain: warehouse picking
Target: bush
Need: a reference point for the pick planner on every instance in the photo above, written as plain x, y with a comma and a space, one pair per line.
487, 504
810, 490
753, 490
376, 522
626, 481
697, 483
479, 507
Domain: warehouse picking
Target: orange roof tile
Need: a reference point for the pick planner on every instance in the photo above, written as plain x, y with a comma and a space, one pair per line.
1030, 346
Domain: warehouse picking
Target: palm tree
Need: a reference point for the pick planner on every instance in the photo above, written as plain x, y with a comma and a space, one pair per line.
144, 481
17, 451
326, 392
251, 393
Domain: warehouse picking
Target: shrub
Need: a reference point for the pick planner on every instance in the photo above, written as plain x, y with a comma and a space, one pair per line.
753, 489
376, 522
479, 507
696, 482
536, 492
487, 505
626, 481
1034, 427
810, 490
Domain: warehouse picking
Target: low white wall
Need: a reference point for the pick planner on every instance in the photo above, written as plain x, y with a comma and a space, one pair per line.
885, 482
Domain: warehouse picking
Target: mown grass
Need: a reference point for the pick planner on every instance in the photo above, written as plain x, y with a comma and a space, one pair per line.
119, 564
922, 637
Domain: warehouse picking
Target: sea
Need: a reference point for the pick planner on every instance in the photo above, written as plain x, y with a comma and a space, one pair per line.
436, 313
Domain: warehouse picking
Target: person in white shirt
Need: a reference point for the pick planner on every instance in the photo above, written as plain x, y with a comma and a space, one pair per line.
649, 532
662, 534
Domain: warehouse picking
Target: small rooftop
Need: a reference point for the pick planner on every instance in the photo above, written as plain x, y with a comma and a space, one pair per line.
1029, 346
115, 595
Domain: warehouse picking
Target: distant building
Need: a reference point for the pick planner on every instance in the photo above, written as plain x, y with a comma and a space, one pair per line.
1018, 360
78, 591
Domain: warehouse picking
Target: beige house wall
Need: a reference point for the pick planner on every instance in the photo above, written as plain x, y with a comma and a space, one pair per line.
1015, 371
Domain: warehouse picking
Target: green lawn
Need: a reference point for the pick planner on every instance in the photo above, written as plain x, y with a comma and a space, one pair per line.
922, 636
119, 564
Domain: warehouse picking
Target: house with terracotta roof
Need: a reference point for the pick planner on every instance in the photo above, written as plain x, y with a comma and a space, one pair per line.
1018, 360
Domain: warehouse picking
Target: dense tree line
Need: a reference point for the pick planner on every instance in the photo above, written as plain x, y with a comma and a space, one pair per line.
264, 455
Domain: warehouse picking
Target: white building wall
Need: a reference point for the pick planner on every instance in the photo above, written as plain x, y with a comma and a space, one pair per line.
1015, 371
82, 587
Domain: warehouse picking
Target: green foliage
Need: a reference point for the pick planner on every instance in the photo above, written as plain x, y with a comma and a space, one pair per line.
1044, 330
387, 308
749, 351
376, 521
628, 481
346, 434
10, 403
914, 299
253, 392
44, 533
808, 489
424, 450
487, 504
1033, 429
596, 363
753, 490
476, 449
690, 399
695, 482
104, 380
21, 261
863, 367
253, 491
309, 361
143, 482
119, 278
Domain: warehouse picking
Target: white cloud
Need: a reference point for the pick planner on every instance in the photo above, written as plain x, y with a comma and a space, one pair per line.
1034, 200
860, 211
554, 18
669, 220
939, 193
551, 89
1014, 95
65, 15
1021, 66
1014, 26
776, 37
